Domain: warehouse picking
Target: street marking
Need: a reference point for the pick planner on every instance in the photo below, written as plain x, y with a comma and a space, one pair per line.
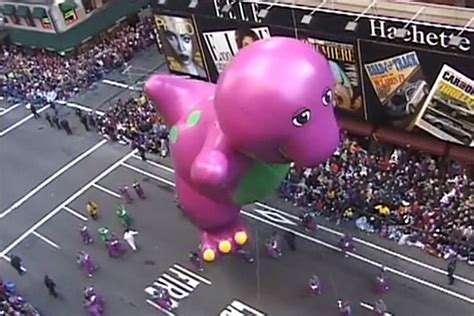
104, 189
371, 308
143, 172
58, 173
371, 245
46, 240
11, 108
20, 122
337, 233
191, 273
120, 85
155, 164
353, 255
237, 308
275, 217
74, 196
80, 107
159, 307
75, 213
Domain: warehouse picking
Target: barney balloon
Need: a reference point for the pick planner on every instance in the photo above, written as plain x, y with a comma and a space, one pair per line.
232, 142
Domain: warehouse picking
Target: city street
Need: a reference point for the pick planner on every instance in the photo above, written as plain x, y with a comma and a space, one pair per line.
46, 179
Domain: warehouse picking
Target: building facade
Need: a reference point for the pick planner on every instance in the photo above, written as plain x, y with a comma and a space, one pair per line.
62, 25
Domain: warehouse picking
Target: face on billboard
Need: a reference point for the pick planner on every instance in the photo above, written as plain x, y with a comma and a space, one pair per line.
180, 45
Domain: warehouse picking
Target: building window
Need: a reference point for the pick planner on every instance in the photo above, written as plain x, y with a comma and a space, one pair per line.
68, 9
89, 5
24, 13
10, 11
41, 15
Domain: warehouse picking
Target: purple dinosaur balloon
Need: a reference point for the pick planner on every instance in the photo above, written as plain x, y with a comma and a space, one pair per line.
232, 143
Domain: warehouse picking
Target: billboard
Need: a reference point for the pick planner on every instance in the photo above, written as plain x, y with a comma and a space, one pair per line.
398, 81
342, 59
448, 112
179, 42
223, 45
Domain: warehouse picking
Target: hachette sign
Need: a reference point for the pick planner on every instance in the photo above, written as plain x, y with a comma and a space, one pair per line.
434, 37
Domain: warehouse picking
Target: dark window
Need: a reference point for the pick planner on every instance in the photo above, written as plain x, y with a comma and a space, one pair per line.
89, 5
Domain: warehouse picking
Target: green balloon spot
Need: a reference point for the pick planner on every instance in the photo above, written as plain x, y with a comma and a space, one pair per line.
173, 134
193, 118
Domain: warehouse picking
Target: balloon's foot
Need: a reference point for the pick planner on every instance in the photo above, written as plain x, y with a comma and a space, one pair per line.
222, 242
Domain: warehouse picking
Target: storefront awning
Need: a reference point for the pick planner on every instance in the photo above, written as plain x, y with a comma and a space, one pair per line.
67, 5
39, 13
8, 10
23, 11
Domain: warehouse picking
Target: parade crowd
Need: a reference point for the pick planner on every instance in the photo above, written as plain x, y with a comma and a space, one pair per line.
40, 77
396, 194
135, 122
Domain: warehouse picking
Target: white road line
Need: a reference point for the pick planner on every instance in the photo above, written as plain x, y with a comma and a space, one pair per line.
75, 213
46, 240
373, 246
160, 308
20, 122
11, 108
60, 207
367, 306
80, 107
104, 189
191, 273
58, 173
353, 255
120, 85
155, 164
337, 233
145, 173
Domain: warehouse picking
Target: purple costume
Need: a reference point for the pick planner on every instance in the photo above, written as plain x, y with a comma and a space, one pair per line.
232, 142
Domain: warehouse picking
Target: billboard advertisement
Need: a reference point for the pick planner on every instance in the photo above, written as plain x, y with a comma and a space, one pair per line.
448, 112
223, 45
178, 38
398, 84
342, 59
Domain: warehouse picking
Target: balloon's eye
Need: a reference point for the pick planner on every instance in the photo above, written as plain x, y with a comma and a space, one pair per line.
328, 98
301, 118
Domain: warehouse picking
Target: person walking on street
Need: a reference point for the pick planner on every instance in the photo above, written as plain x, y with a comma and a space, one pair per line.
291, 240
34, 112
142, 152
15, 262
129, 237
48, 118
65, 125
91, 119
451, 268
56, 121
50, 285
84, 122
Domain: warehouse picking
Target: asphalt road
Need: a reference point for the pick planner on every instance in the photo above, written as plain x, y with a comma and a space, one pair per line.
42, 170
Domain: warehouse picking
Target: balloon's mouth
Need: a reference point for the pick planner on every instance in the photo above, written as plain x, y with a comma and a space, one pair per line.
284, 155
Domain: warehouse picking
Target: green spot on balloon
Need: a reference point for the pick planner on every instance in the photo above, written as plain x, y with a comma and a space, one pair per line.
173, 134
193, 118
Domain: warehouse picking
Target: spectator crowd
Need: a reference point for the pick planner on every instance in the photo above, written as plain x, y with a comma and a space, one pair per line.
39, 77
403, 196
135, 122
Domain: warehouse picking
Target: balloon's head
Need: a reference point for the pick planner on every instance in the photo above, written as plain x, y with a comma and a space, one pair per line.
275, 102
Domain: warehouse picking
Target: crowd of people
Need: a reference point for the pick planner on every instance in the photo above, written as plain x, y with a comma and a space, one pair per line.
399, 195
39, 77
135, 122
12, 304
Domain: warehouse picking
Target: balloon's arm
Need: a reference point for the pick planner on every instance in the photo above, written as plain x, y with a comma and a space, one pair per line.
210, 168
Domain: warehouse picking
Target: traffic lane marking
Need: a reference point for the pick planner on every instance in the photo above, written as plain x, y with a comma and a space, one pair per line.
22, 121
80, 107
11, 108
53, 177
75, 213
335, 248
338, 233
372, 245
105, 190
60, 207
46, 240
159, 308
